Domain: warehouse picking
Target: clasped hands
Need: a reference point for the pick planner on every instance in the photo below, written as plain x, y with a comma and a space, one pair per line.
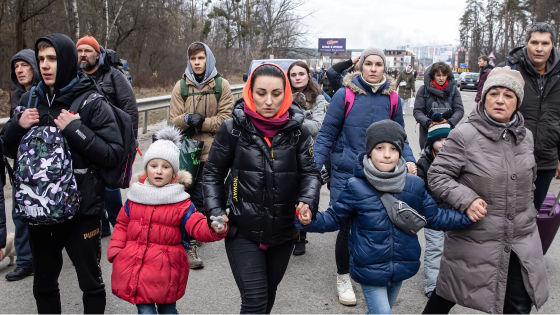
303, 213
219, 224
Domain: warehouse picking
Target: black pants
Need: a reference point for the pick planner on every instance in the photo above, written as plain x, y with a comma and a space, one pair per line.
341, 252
113, 204
257, 272
80, 236
196, 195
517, 300
541, 186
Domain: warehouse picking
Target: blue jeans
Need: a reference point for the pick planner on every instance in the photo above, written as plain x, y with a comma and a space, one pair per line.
113, 204
170, 308
380, 300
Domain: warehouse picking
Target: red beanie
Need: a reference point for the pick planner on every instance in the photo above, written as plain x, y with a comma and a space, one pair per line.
89, 40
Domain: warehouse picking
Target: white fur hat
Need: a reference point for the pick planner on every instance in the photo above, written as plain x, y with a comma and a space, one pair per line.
166, 147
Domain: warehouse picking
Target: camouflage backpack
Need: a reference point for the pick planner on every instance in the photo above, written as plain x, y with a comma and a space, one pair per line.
45, 187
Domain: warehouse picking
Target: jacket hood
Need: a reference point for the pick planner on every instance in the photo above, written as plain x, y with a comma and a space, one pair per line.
239, 116
210, 71
478, 119
28, 56
67, 94
286, 102
65, 50
428, 79
519, 55
358, 88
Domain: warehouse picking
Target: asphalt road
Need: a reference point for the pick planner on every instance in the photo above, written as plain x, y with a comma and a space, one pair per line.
309, 285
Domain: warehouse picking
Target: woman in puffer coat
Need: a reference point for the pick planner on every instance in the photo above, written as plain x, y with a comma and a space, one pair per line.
344, 138
381, 254
266, 153
150, 266
486, 169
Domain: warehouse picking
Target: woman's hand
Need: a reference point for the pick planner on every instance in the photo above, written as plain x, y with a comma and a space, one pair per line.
411, 168
477, 210
303, 213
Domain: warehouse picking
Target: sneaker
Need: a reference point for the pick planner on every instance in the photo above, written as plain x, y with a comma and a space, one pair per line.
19, 273
194, 260
346, 294
299, 249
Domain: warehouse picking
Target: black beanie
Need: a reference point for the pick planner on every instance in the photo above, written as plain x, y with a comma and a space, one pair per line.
385, 131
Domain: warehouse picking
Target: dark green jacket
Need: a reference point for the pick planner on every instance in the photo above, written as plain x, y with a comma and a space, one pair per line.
406, 90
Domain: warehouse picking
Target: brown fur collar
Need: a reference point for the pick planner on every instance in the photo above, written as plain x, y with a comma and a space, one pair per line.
347, 81
183, 177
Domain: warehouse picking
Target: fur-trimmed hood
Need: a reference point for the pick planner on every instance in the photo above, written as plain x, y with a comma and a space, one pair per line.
348, 81
152, 195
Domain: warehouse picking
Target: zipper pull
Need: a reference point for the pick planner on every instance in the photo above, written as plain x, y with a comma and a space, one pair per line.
272, 154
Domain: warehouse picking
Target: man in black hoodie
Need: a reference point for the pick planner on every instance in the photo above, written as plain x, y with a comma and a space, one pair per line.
25, 74
89, 133
539, 64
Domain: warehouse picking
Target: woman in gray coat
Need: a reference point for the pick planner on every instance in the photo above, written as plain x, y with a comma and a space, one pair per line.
486, 169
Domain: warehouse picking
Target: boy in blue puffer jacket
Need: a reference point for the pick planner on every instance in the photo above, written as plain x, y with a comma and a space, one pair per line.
381, 255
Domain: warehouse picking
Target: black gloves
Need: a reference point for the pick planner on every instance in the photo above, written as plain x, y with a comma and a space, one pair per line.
195, 120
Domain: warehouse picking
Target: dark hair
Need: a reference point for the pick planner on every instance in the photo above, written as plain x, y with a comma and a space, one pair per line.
442, 67
43, 44
541, 27
312, 90
485, 58
195, 49
268, 71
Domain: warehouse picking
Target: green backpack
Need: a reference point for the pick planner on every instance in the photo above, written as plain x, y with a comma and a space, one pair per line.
217, 90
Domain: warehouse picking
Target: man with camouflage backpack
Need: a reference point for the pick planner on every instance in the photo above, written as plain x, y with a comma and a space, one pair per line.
51, 141
200, 102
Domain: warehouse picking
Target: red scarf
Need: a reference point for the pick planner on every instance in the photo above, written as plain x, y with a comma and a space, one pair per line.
441, 88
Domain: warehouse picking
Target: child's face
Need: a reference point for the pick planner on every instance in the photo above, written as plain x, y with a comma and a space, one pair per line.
160, 172
384, 156
438, 144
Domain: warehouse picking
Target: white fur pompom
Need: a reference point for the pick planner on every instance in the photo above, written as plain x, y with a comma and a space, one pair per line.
170, 133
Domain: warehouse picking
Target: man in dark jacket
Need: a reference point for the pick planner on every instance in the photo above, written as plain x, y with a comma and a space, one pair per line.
115, 86
539, 64
89, 133
25, 74
336, 72
485, 69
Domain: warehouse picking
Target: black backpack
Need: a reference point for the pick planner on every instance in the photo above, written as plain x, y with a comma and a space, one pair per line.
443, 107
118, 176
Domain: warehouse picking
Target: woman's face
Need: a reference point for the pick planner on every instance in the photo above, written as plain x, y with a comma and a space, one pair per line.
384, 156
440, 78
500, 104
373, 69
160, 172
299, 78
268, 94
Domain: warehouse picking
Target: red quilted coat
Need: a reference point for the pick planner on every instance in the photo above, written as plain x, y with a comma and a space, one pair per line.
149, 263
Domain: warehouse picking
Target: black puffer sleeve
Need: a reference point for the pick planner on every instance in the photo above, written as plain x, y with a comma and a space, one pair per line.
310, 177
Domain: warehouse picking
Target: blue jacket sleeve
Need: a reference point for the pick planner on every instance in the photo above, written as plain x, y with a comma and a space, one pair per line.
407, 151
442, 219
332, 124
335, 217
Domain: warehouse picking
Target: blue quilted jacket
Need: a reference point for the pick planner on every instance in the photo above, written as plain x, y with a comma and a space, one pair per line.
380, 252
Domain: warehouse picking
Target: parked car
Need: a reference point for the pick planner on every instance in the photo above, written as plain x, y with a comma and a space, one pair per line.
461, 77
456, 76
469, 81
283, 63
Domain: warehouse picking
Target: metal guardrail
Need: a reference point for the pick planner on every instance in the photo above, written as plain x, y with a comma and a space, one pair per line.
152, 103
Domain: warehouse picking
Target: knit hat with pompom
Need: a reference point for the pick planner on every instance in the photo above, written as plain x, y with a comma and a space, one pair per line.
166, 147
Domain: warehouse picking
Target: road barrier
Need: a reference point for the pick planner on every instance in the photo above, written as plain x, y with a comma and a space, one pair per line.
157, 102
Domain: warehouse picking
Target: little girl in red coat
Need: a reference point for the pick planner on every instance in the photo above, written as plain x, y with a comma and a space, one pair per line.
150, 266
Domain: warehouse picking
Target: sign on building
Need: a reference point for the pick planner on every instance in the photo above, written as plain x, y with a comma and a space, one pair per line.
330, 45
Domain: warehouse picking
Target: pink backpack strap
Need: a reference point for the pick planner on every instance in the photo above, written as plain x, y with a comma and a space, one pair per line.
348, 101
394, 104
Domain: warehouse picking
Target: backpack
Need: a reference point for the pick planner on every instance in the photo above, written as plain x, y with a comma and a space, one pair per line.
444, 108
119, 176
118, 63
217, 90
350, 97
511, 65
45, 187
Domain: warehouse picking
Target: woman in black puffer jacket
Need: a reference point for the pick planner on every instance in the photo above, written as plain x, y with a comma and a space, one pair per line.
269, 156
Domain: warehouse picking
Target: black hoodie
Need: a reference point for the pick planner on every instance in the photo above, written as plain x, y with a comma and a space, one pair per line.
91, 138
28, 56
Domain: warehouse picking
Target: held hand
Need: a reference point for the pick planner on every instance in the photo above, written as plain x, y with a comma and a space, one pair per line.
65, 118
557, 175
477, 210
29, 118
219, 224
412, 169
303, 213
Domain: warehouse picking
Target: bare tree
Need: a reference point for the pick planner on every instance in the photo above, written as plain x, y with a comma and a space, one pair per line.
76, 19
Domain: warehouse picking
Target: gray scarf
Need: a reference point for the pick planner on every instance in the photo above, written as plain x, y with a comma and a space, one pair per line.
499, 124
210, 72
389, 182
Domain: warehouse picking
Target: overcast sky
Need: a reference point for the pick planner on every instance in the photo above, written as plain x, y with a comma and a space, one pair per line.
384, 23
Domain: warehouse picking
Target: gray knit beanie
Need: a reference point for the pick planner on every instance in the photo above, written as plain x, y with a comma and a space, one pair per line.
505, 77
372, 51
385, 131
166, 147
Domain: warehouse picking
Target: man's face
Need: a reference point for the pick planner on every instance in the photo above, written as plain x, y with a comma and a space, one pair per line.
87, 58
48, 65
482, 63
24, 73
539, 48
198, 62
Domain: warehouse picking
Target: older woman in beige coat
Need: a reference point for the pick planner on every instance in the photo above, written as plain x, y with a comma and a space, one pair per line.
487, 169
